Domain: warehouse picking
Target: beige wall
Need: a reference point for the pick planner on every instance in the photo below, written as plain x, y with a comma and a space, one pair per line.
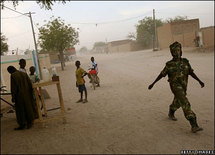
185, 26
136, 46
183, 32
186, 39
208, 36
179, 38
123, 46
189, 39
165, 37
4, 106
6, 75
44, 61
119, 48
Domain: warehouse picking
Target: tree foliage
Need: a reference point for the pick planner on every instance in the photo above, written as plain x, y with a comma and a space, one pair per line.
98, 44
176, 19
56, 36
4, 45
145, 31
132, 36
47, 4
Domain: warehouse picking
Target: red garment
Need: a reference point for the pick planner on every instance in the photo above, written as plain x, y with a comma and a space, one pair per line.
92, 71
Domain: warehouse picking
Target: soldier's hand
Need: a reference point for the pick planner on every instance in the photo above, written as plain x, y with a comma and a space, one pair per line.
202, 84
150, 86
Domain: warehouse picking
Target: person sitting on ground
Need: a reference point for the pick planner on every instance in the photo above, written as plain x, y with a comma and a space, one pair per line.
22, 95
22, 64
80, 83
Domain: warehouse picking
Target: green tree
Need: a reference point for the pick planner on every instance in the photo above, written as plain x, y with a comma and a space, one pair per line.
176, 19
145, 31
47, 4
98, 44
4, 45
56, 36
132, 36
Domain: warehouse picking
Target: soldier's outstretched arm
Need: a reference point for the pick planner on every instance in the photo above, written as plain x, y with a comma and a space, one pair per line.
160, 76
196, 78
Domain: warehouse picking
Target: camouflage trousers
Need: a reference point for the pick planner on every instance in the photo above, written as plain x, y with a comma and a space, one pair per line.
180, 100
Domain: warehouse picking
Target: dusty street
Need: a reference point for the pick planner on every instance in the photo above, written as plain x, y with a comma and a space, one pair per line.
122, 116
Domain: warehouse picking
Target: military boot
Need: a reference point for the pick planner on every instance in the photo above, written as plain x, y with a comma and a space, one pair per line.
195, 128
171, 115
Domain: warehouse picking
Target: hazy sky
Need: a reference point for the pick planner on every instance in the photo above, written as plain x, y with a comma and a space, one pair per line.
114, 19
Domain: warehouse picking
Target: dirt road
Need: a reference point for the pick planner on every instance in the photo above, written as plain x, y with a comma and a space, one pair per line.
122, 116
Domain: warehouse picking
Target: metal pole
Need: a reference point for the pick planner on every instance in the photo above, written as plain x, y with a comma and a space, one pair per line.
156, 41
155, 33
35, 44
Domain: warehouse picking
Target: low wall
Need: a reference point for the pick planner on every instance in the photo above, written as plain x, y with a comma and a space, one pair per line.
208, 36
186, 39
119, 48
14, 61
165, 37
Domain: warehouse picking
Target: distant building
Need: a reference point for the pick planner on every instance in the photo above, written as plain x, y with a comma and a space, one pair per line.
123, 46
100, 49
184, 32
207, 36
83, 51
68, 53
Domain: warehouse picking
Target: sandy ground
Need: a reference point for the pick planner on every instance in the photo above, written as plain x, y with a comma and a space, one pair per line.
122, 116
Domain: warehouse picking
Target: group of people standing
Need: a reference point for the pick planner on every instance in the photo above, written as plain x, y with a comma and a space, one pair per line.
23, 95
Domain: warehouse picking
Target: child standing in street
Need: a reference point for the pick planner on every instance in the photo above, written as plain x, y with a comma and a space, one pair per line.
94, 67
80, 83
34, 78
22, 64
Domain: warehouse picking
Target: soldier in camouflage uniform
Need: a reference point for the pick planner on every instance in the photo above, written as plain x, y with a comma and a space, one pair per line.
178, 69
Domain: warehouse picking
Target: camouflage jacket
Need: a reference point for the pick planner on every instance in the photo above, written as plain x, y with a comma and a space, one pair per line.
177, 72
